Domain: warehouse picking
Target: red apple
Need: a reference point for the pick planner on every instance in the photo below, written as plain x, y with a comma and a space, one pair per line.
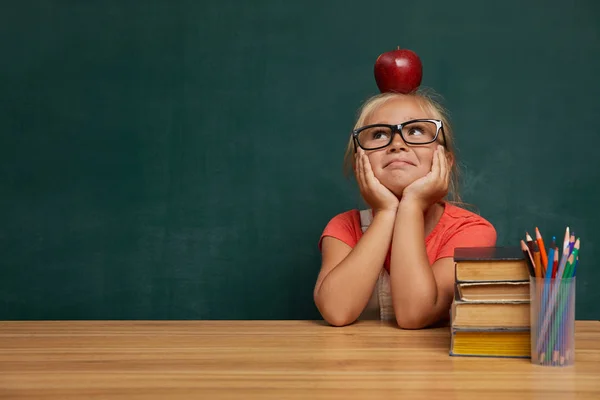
398, 71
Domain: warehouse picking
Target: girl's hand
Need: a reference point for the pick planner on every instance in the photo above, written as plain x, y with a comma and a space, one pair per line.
432, 187
377, 196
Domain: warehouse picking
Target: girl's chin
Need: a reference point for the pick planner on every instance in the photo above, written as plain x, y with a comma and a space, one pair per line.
396, 187
398, 184
397, 190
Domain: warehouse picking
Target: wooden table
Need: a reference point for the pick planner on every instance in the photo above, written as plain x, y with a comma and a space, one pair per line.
271, 360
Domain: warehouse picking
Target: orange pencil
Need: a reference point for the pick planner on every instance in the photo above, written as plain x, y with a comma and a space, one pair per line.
539, 270
540, 242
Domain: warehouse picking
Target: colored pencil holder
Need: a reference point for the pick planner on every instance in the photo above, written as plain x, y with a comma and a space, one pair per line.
552, 321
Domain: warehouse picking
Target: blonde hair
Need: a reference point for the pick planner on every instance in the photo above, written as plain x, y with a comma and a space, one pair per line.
429, 104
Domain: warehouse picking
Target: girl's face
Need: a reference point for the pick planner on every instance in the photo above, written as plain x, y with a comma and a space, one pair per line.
398, 165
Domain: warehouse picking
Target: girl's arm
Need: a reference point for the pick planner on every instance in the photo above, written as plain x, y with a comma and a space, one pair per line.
421, 293
348, 275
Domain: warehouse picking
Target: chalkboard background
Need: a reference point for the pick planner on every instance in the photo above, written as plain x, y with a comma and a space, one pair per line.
179, 159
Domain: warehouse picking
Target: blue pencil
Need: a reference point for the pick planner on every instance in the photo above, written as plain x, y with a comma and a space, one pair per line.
571, 242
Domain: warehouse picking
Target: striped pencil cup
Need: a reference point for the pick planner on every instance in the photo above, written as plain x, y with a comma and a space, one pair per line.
552, 321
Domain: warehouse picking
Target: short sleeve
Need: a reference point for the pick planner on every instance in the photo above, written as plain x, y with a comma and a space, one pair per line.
343, 227
473, 232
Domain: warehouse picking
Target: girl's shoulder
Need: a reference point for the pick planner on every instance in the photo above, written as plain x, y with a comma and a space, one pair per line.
460, 227
349, 215
348, 220
458, 220
456, 213
344, 226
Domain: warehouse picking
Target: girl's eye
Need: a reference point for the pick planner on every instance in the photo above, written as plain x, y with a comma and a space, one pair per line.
415, 132
380, 134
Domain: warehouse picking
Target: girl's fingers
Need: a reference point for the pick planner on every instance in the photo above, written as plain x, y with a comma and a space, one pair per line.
447, 167
369, 176
435, 165
365, 171
361, 169
445, 171
443, 166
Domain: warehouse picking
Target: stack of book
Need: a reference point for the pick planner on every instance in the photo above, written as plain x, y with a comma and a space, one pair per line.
490, 312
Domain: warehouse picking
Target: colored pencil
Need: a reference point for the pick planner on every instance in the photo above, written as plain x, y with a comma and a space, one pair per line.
571, 242
568, 315
528, 258
555, 336
566, 240
546, 289
552, 269
540, 242
550, 308
529, 241
562, 307
539, 269
569, 272
555, 263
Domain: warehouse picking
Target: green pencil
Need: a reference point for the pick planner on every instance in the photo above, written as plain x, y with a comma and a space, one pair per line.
569, 271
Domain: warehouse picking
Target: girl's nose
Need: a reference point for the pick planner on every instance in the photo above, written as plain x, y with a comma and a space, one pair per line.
397, 143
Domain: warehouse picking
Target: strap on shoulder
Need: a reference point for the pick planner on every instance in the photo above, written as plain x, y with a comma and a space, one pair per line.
366, 217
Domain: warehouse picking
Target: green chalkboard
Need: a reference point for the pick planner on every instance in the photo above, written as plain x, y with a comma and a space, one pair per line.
179, 159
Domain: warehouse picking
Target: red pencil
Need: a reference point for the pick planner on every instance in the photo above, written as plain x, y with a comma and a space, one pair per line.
555, 263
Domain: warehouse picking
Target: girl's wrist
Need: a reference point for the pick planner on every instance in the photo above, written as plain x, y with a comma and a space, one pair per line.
385, 212
412, 205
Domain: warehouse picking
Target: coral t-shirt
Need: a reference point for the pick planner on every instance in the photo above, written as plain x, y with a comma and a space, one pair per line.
457, 227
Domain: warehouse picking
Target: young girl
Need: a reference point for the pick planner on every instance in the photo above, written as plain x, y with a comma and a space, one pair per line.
395, 260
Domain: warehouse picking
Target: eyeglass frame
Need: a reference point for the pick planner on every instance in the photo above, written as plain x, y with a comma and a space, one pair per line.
397, 128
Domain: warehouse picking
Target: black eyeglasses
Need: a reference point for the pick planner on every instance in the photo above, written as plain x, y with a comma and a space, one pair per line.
415, 132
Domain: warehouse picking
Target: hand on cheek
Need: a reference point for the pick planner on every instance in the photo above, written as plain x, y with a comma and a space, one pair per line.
432, 187
376, 195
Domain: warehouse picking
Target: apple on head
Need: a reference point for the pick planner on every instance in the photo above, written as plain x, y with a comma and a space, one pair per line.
398, 71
